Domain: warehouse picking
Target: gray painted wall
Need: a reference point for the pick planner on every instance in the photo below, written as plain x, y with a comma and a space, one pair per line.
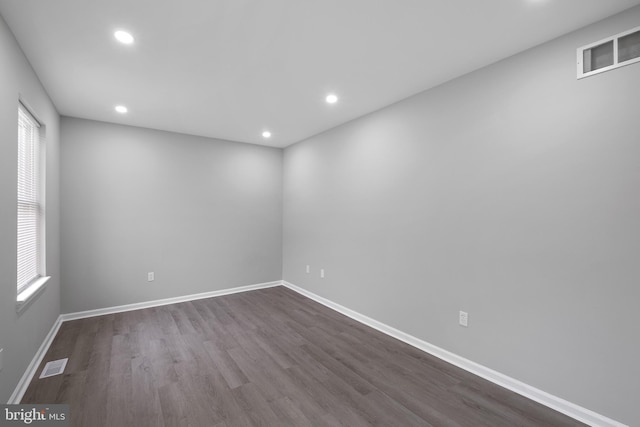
202, 214
21, 334
510, 193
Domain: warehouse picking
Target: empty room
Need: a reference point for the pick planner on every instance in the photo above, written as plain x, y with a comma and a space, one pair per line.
319, 213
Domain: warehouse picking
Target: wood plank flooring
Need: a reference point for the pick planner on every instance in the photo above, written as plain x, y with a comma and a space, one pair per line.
269, 357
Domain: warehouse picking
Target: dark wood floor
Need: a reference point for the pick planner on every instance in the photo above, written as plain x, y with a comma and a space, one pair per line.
263, 358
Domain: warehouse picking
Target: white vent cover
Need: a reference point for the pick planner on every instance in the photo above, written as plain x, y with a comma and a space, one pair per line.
610, 53
54, 367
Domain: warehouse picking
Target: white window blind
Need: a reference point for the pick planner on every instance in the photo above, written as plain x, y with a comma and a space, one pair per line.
30, 209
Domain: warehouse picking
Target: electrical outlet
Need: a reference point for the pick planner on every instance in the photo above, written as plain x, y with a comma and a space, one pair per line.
322, 273
463, 319
151, 276
308, 269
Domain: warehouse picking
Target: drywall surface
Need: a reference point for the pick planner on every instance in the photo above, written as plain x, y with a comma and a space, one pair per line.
510, 193
202, 214
21, 334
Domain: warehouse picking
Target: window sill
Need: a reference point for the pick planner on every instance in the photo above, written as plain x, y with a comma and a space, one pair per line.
26, 296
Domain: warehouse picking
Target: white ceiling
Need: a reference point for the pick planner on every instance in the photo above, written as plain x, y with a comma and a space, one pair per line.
230, 69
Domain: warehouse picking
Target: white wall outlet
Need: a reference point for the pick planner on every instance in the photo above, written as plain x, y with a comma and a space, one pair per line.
463, 319
151, 276
308, 269
1, 358
322, 273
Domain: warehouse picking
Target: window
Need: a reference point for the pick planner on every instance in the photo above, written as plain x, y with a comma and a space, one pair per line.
30, 206
610, 53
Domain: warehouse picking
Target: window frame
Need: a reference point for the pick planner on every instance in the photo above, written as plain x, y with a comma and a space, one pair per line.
29, 289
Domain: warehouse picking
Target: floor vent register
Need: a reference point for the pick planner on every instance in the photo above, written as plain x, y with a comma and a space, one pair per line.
55, 367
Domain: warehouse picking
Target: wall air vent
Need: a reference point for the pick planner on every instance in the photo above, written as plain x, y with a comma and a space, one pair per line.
55, 367
610, 53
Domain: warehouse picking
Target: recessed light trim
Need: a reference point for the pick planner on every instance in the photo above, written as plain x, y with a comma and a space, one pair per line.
266, 134
121, 109
123, 37
331, 98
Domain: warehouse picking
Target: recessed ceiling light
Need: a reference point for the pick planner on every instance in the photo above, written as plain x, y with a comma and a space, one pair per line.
266, 134
121, 109
123, 37
331, 99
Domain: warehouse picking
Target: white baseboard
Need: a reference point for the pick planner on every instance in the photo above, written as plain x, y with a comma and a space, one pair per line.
31, 370
570, 409
166, 301
24, 382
